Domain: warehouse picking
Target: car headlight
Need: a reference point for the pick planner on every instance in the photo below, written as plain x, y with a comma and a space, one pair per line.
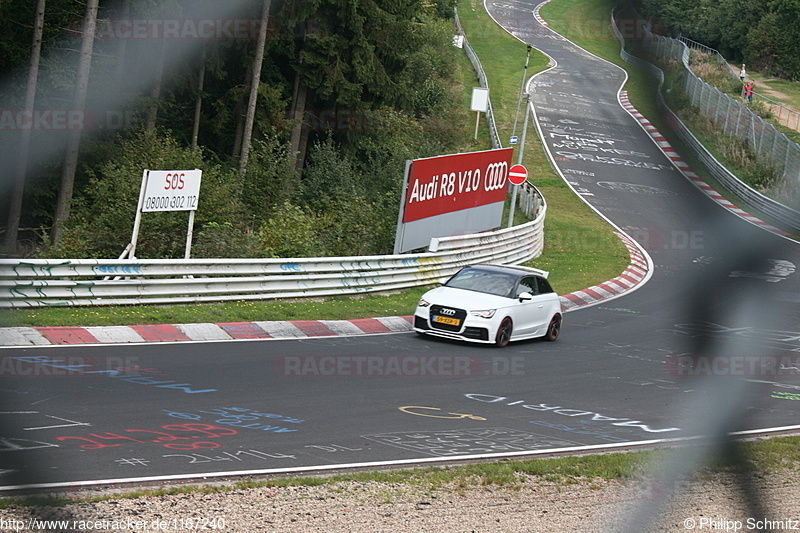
423, 303
485, 313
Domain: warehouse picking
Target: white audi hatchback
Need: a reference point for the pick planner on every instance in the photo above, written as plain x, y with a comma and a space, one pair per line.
491, 304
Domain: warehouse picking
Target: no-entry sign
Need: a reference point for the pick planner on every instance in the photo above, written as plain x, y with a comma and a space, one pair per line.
517, 174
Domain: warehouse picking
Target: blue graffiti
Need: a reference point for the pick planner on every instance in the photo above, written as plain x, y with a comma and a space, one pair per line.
120, 269
241, 417
291, 267
122, 375
134, 377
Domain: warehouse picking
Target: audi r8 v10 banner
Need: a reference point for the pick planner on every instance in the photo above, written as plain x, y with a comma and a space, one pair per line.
452, 195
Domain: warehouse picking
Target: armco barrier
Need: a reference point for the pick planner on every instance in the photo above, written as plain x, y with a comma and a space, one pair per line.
97, 282
494, 135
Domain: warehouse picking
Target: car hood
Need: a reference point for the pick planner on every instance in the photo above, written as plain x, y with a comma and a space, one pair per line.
465, 299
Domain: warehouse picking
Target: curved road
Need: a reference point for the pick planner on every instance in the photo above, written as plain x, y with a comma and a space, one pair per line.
722, 300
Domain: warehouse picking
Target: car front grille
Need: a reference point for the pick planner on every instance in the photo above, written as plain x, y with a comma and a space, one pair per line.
455, 317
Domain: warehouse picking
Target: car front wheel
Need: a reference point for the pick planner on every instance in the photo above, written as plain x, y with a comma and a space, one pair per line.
504, 333
554, 329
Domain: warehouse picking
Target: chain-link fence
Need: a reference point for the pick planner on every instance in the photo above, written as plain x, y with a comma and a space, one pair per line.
662, 47
783, 114
772, 147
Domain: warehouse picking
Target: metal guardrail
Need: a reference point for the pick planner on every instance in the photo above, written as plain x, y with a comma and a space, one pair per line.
476, 64
530, 200
677, 50
98, 282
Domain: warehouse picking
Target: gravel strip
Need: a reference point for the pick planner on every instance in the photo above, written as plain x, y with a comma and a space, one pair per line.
714, 503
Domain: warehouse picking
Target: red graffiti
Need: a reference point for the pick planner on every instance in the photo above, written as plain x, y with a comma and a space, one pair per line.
168, 439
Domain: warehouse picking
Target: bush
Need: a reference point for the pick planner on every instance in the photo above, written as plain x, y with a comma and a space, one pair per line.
328, 175
216, 240
290, 231
269, 179
358, 227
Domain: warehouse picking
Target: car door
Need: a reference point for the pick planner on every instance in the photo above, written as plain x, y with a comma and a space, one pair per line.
534, 314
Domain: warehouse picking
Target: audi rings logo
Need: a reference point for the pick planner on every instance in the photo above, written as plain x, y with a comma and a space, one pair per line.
496, 176
448, 312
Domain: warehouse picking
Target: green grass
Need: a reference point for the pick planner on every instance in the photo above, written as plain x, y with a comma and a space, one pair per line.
337, 308
790, 90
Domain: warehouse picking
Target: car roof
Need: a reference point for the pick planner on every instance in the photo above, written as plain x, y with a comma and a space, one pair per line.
516, 270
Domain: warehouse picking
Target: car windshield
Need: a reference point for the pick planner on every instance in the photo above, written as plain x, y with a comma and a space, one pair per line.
473, 279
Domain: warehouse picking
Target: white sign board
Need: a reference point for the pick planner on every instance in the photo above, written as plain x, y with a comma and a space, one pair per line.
166, 190
480, 99
171, 190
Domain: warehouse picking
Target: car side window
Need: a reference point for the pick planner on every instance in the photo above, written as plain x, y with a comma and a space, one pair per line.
544, 285
527, 284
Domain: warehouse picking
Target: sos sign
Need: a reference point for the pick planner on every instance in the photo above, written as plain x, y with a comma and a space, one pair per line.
171, 190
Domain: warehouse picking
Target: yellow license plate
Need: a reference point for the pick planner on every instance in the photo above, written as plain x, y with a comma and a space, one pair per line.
447, 320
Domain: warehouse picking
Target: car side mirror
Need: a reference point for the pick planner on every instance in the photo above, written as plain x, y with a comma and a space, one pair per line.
525, 297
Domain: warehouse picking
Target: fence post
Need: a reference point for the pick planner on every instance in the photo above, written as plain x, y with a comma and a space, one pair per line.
727, 116
716, 107
738, 119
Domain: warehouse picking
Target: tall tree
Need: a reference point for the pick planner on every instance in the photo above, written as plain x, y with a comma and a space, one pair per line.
774, 41
678, 16
349, 56
122, 49
155, 91
255, 84
725, 24
198, 104
298, 140
70, 165
15, 207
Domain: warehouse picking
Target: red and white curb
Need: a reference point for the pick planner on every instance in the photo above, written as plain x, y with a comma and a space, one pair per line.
48, 336
635, 274
538, 17
687, 171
